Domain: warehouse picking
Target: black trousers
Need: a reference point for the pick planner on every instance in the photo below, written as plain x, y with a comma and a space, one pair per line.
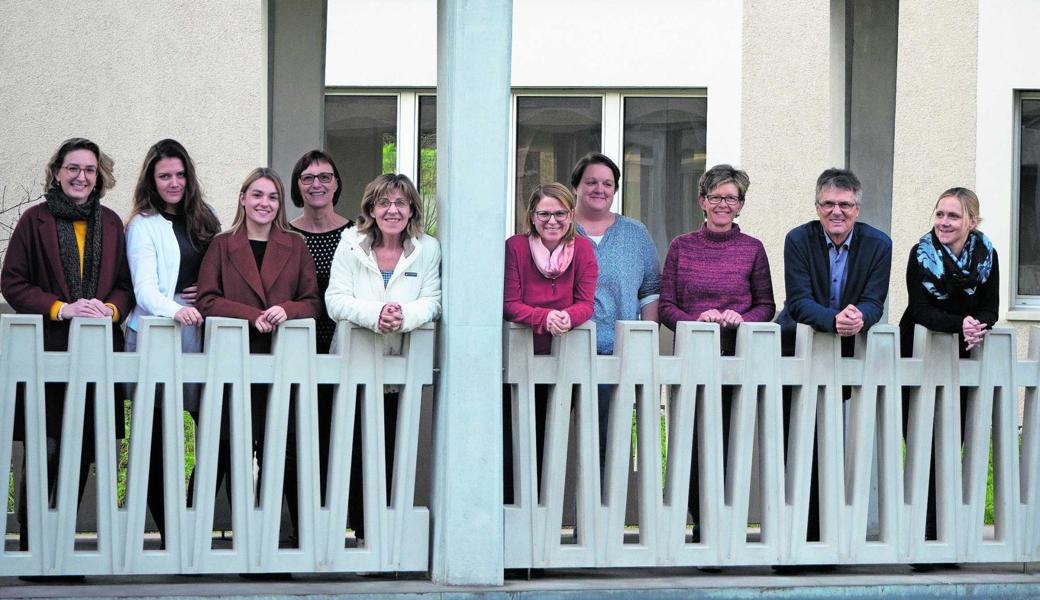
356, 499
55, 395
693, 502
541, 400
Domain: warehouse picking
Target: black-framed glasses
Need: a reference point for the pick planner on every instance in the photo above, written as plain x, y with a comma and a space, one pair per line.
75, 170
829, 206
715, 200
543, 216
322, 177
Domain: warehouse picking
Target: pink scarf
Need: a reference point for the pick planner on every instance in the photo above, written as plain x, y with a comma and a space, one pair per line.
551, 264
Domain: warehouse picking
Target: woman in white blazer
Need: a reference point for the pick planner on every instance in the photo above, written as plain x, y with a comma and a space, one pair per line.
168, 230
385, 277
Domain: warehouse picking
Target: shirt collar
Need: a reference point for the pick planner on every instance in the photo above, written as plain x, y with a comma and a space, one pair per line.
846, 244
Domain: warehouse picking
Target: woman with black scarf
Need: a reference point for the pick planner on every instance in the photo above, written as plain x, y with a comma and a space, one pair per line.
67, 259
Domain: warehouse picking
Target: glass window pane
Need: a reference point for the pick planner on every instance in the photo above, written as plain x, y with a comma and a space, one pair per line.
427, 167
1029, 201
552, 133
664, 156
361, 136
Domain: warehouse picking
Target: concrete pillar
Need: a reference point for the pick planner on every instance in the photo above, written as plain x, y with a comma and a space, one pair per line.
296, 40
473, 78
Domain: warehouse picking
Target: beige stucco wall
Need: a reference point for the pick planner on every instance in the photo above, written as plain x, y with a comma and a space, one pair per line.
935, 120
793, 119
126, 74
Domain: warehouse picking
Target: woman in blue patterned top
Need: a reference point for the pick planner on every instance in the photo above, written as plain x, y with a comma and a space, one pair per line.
629, 282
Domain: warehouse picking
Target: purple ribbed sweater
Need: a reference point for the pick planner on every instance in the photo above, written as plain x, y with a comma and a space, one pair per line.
706, 269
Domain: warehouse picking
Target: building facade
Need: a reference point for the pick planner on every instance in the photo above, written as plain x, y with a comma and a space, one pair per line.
915, 97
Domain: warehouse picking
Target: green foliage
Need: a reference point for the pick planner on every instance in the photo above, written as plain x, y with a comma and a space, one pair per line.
389, 156
124, 451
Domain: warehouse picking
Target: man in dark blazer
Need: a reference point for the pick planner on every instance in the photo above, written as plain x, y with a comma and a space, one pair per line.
836, 273
836, 270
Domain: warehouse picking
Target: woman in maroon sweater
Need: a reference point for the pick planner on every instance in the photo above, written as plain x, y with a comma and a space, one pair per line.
717, 275
550, 283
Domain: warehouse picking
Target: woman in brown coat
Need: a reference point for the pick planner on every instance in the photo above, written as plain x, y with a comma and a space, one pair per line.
261, 272
67, 259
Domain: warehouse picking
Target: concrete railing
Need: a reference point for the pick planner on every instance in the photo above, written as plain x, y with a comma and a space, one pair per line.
397, 532
754, 505
857, 438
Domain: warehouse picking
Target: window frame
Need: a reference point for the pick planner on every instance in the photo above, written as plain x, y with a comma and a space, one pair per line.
1019, 301
612, 124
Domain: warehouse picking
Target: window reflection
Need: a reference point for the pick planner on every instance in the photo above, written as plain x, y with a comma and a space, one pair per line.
665, 143
427, 168
1028, 201
552, 133
361, 136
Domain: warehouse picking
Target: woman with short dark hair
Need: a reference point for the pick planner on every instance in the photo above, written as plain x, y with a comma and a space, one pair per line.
717, 274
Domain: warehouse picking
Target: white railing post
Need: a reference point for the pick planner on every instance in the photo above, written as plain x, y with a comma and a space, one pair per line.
874, 422
1029, 467
160, 362
22, 361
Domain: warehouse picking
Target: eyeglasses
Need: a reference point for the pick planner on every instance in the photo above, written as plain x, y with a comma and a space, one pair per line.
715, 200
383, 203
322, 177
829, 206
543, 216
75, 170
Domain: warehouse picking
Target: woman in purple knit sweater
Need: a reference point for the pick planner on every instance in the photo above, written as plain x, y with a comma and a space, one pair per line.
717, 275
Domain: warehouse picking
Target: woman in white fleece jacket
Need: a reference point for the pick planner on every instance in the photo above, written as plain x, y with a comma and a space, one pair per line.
385, 277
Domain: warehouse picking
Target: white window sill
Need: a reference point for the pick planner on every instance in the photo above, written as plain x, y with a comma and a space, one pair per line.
1023, 314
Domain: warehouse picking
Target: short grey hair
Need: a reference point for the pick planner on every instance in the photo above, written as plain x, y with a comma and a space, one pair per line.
842, 179
721, 175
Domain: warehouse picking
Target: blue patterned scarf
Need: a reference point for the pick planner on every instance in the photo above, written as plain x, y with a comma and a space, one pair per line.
944, 273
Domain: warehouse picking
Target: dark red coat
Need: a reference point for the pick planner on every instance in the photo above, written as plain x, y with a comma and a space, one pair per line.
32, 278
230, 285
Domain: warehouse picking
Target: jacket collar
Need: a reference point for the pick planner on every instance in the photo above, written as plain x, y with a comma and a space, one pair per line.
363, 250
279, 247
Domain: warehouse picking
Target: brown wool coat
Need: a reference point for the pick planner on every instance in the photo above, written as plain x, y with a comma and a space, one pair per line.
32, 279
230, 285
